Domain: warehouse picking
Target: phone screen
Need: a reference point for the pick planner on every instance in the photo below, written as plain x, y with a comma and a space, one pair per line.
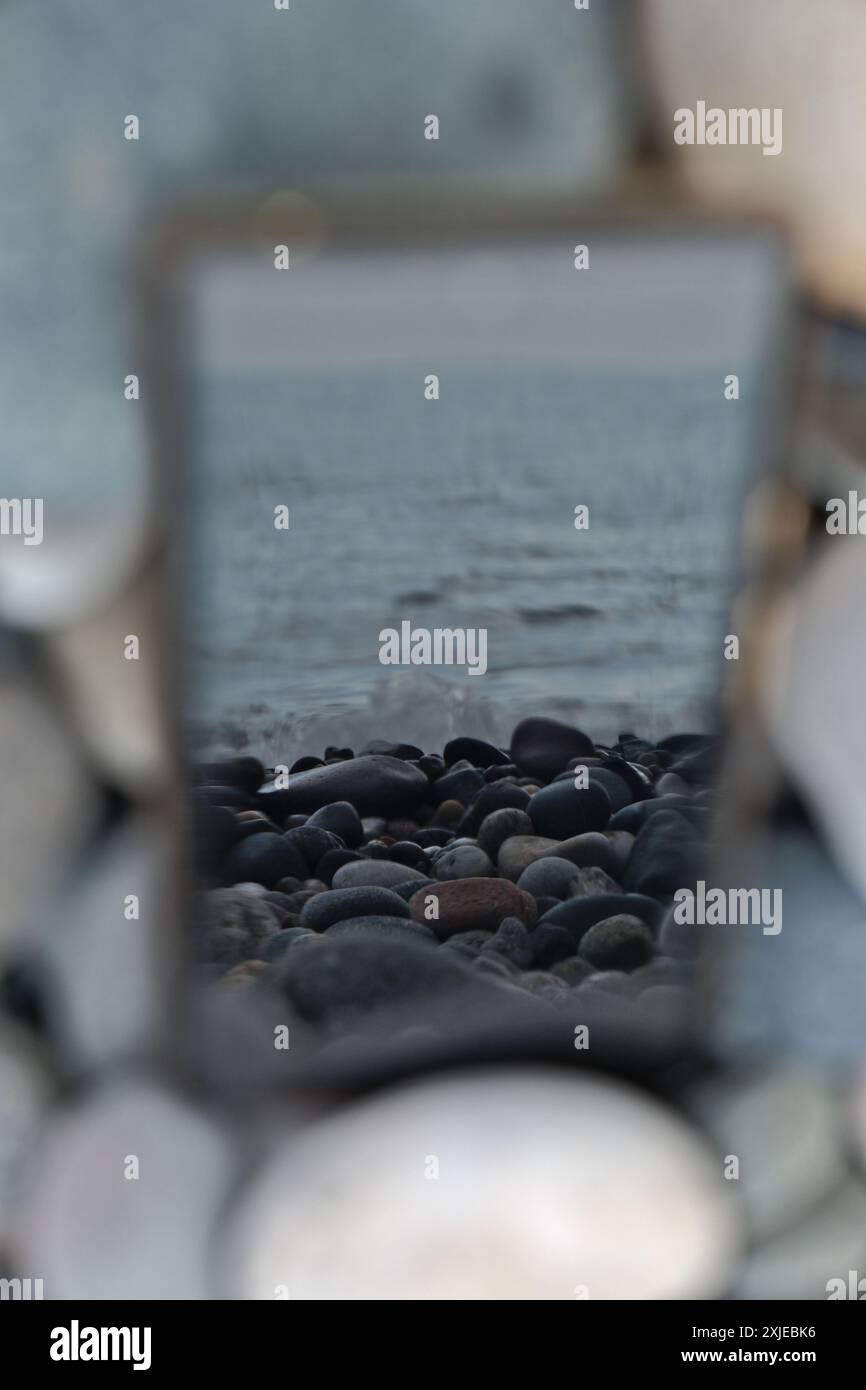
445, 498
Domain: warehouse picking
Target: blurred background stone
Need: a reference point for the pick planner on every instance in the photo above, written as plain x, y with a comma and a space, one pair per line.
545, 1184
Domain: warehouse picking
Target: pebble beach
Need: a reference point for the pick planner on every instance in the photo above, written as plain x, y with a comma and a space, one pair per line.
393, 873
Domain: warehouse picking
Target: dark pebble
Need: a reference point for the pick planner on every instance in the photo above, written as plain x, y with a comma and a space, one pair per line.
513, 941
247, 774
666, 856
379, 747
334, 977
305, 764
407, 890
475, 751
618, 943
577, 915
379, 873
460, 785
633, 818
232, 797
263, 859
288, 885
543, 747
341, 819
394, 927
230, 926
496, 796
275, 947
473, 941
434, 835
462, 861
333, 860
432, 766
619, 793
340, 903
500, 826
572, 971
375, 785
408, 852
312, 842
590, 881
549, 877
246, 828
496, 774
550, 944
560, 811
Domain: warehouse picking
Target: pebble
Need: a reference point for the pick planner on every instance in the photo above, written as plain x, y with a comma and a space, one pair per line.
232, 797
633, 818
275, 947
513, 941
437, 835
496, 774
334, 860
588, 851
492, 963
263, 859
472, 941
247, 774
666, 856
407, 890
542, 747
561, 811
591, 881
448, 814
461, 785
474, 751
401, 829
550, 877
325, 909
519, 851
336, 977
375, 785
473, 903
579, 914
407, 852
312, 843
496, 796
670, 784
698, 767
621, 843
341, 818
381, 926
573, 971
380, 873
500, 826
550, 944
231, 926
462, 861
619, 793
617, 943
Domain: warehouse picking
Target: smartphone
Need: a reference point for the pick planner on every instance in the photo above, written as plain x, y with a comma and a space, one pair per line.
457, 490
